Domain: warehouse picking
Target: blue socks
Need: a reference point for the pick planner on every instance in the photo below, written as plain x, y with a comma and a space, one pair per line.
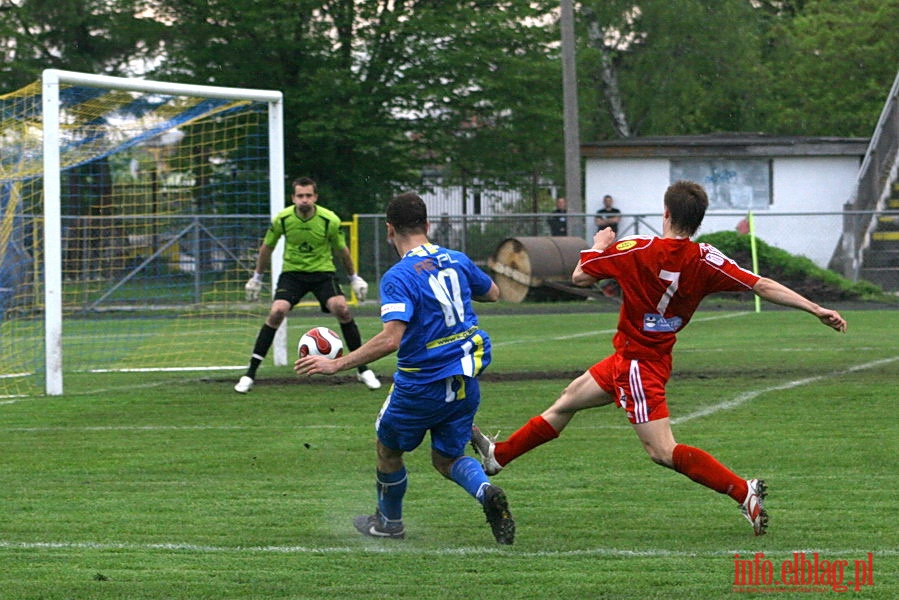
466, 471
469, 473
391, 489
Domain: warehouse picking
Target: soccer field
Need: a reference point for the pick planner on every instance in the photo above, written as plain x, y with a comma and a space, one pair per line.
170, 485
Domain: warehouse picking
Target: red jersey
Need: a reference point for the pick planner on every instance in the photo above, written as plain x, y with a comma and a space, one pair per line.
662, 280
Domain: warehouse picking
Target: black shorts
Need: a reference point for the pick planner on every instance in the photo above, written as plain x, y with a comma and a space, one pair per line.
293, 285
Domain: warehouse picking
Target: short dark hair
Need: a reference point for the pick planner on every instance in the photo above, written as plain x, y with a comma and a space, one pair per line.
687, 203
303, 181
407, 213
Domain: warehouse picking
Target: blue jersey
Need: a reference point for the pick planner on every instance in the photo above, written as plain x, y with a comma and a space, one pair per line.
430, 289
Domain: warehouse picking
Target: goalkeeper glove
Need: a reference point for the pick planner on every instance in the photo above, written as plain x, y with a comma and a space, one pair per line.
253, 287
360, 288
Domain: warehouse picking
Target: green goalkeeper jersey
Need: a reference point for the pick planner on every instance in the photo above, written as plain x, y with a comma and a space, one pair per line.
309, 245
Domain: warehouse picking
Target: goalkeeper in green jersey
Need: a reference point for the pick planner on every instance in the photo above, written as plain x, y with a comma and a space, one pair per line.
311, 238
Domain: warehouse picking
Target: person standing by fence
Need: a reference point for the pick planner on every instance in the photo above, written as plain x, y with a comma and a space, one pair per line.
608, 215
558, 222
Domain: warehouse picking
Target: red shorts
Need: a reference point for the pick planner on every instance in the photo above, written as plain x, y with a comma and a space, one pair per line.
637, 385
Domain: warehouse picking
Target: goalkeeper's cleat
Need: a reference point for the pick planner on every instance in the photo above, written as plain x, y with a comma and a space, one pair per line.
244, 385
752, 507
496, 508
369, 378
485, 447
377, 526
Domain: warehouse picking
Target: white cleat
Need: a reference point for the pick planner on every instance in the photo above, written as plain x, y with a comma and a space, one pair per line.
244, 385
484, 446
369, 379
752, 507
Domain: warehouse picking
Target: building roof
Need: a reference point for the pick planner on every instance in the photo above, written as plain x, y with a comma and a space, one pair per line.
725, 145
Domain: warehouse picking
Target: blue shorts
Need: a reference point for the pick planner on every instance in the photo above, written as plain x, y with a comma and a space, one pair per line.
446, 408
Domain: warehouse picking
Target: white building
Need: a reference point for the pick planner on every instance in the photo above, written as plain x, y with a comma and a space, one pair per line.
796, 187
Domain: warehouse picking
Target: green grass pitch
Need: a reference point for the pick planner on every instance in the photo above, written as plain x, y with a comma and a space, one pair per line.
159, 485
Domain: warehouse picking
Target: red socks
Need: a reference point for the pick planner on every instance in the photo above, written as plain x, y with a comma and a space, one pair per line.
703, 468
530, 435
698, 465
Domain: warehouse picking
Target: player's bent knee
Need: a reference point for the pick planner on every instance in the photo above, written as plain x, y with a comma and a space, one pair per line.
275, 319
443, 464
340, 310
660, 457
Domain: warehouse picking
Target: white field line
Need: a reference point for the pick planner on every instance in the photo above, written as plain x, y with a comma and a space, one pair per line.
736, 402
15, 375
853, 349
171, 428
404, 549
745, 397
239, 367
593, 332
165, 369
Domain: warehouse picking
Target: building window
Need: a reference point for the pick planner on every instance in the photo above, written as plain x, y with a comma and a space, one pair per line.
730, 184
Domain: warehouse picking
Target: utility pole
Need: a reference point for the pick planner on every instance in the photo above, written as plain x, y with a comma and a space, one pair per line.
573, 191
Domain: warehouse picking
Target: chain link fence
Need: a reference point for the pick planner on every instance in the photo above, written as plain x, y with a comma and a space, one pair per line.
816, 236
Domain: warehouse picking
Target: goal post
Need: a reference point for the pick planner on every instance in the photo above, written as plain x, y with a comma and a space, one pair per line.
126, 199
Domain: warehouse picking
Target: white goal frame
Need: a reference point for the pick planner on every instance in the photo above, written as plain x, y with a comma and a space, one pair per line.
51, 81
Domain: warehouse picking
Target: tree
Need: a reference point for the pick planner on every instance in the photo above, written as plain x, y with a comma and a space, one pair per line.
96, 36
830, 68
789, 67
490, 87
375, 90
683, 67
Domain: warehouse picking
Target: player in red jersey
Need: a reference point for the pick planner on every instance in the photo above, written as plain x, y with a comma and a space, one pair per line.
663, 279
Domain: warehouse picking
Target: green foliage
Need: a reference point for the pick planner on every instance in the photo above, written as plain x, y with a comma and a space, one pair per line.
687, 67
829, 69
375, 91
817, 67
96, 36
791, 270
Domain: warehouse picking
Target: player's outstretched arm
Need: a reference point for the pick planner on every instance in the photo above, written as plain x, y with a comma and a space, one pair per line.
778, 293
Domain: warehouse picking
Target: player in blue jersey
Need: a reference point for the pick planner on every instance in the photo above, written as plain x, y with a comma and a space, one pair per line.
428, 319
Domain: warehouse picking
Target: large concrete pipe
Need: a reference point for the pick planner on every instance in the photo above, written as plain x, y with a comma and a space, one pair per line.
536, 268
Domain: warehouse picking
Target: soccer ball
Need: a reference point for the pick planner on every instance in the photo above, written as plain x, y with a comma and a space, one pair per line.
320, 341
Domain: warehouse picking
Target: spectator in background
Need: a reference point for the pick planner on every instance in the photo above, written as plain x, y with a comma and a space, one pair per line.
558, 223
608, 215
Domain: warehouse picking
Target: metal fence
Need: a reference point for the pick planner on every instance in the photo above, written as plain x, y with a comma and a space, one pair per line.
107, 256
813, 235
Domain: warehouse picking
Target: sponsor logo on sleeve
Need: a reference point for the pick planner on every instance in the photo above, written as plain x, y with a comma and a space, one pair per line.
393, 307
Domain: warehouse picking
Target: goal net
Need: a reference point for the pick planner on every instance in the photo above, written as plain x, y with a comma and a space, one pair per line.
130, 216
